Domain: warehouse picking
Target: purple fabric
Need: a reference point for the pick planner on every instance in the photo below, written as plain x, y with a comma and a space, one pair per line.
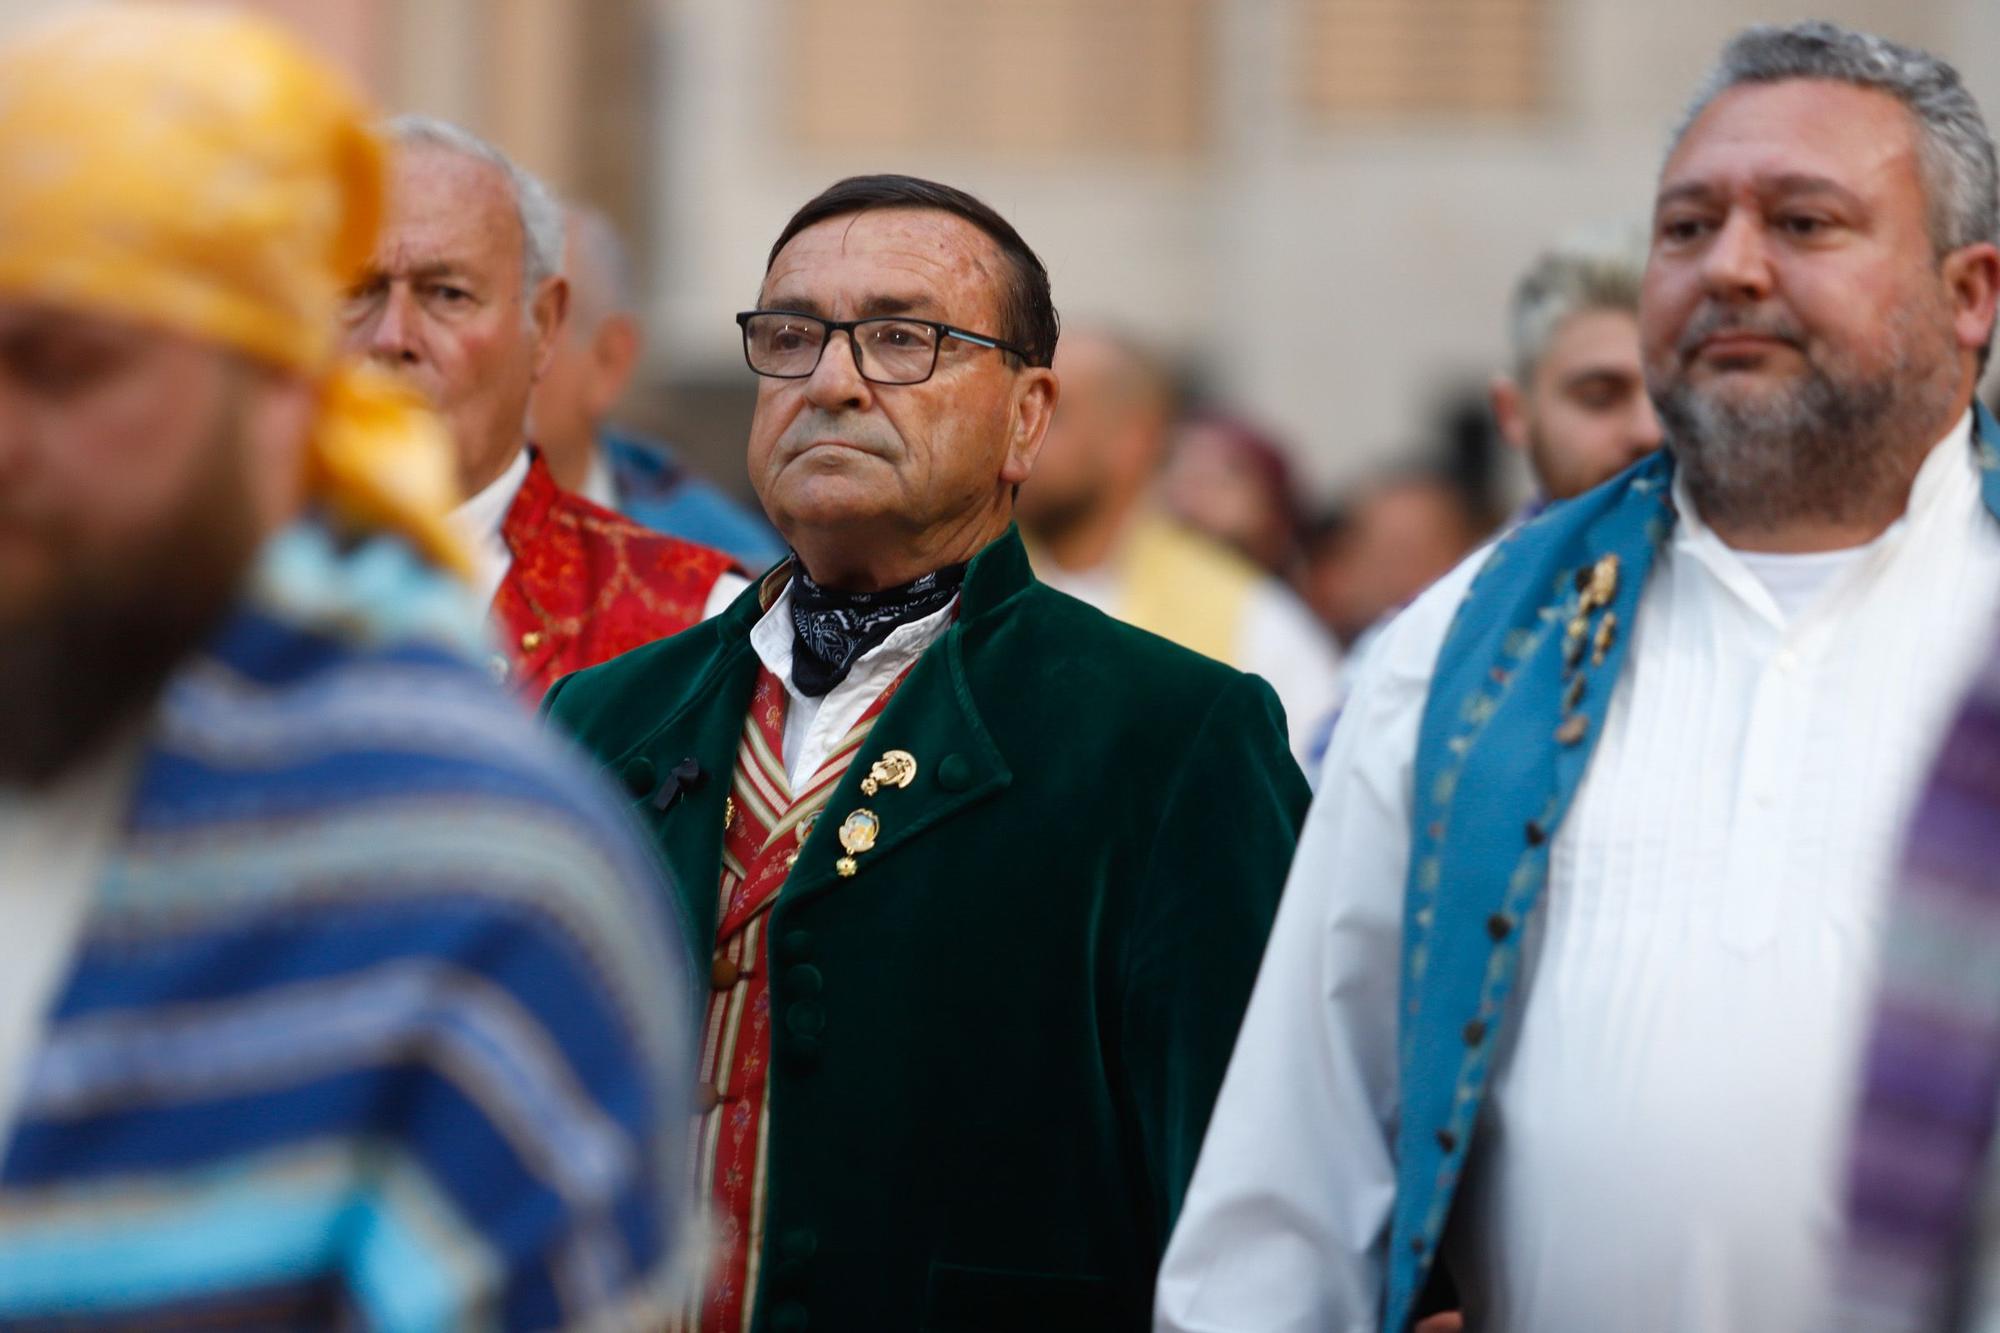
1931, 1074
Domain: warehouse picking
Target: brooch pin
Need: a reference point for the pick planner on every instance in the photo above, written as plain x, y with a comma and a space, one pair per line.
1600, 585
896, 768
857, 834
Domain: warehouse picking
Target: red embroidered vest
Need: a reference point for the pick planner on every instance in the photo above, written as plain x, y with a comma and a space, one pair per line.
767, 824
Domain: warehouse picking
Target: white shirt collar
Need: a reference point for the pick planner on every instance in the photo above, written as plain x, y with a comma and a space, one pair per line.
479, 520
1947, 481
814, 724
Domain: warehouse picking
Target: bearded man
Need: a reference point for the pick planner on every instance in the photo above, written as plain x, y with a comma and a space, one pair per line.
1568, 985
332, 992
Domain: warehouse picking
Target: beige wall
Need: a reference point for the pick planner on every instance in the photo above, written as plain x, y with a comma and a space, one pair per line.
1331, 280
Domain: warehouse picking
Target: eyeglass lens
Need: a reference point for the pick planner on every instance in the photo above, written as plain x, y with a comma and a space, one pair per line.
892, 351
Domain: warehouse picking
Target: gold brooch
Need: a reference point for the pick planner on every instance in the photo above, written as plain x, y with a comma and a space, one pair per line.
857, 834
1602, 585
896, 768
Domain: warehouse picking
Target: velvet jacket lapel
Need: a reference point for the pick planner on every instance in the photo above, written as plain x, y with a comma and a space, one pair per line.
935, 716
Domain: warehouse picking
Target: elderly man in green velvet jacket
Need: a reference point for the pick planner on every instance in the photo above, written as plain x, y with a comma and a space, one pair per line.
986, 875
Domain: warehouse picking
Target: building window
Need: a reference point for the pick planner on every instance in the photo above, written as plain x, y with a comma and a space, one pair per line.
1374, 61
1004, 76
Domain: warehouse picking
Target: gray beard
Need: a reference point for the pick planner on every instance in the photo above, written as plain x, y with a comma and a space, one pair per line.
1826, 447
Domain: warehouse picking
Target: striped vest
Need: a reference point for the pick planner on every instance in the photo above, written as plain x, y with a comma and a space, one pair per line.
765, 824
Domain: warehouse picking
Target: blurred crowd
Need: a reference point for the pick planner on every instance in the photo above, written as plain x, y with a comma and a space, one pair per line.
1034, 862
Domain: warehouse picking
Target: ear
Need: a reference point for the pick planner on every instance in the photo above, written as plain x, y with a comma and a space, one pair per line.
1510, 412
614, 356
1972, 277
545, 315
1035, 394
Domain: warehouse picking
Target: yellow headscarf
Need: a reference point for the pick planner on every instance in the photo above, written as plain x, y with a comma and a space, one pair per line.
197, 170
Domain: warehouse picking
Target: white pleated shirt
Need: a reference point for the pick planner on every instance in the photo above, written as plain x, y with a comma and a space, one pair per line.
815, 724
1663, 1145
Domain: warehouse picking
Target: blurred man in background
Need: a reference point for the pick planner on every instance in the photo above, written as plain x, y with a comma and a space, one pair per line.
602, 344
1226, 478
1397, 535
1575, 402
333, 993
1092, 512
465, 297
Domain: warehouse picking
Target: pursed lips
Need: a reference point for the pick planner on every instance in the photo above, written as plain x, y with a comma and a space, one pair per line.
847, 446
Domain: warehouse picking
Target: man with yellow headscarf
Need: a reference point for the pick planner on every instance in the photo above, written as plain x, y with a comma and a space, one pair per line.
330, 992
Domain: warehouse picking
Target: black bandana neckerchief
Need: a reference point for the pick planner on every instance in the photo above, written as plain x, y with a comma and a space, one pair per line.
832, 629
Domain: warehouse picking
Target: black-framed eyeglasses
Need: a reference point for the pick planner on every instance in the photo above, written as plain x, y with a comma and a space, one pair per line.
787, 345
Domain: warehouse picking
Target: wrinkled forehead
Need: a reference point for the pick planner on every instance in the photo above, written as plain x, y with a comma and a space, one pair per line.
1774, 137
921, 262
448, 209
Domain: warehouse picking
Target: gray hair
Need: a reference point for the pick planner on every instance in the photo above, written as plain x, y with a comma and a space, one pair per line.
1955, 152
600, 271
540, 214
1598, 268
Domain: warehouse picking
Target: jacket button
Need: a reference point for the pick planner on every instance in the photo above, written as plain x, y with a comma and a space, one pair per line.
800, 1243
638, 776
800, 1054
1475, 1032
723, 972
1416, 1245
531, 641
805, 1020
1499, 926
1537, 835
803, 982
1447, 1140
790, 1317
795, 946
954, 773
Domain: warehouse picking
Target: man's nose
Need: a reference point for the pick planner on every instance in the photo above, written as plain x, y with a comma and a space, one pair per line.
1646, 432
392, 341
1737, 266
836, 383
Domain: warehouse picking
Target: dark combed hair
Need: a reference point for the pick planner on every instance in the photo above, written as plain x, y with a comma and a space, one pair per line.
1026, 308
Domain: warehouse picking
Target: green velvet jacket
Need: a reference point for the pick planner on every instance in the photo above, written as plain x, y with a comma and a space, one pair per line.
997, 1045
